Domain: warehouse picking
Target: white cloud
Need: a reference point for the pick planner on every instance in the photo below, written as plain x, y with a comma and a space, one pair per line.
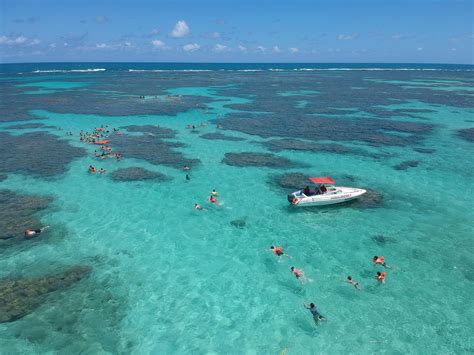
347, 37
34, 42
261, 49
13, 41
191, 47
102, 46
419, 49
158, 44
242, 48
276, 49
101, 19
220, 48
181, 29
293, 50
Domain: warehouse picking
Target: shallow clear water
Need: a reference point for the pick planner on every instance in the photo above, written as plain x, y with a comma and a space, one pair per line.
169, 279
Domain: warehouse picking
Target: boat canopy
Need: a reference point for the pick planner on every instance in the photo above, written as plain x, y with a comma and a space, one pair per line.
322, 180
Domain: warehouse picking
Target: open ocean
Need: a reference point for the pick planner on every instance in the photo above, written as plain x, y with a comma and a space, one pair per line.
129, 266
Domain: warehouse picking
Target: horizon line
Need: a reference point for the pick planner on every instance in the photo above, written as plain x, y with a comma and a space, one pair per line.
158, 62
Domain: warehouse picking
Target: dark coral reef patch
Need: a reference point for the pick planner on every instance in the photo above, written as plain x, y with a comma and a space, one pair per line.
21, 297
295, 144
17, 213
467, 134
26, 126
406, 165
266, 160
220, 136
39, 154
156, 131
137, 174
152, 149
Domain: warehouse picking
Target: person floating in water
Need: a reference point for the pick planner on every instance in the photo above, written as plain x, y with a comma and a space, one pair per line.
213, 199
188, 177
91, 169
102, 171
299, 274
278, 251
30, 233
214, 192
353, 283
314, 311
186, 167
197, 206
381, 276
380, 260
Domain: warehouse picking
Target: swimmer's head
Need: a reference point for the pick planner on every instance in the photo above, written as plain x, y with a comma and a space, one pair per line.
272, 247
379, 273
311, 304
349, 278
292, 268
375, 257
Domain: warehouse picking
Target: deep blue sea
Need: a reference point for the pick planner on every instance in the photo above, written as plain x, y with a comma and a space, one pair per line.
128, 265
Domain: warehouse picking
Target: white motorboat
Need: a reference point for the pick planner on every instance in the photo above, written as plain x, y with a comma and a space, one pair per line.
324, 193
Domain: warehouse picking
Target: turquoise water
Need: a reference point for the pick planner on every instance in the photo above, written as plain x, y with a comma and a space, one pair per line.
170, 279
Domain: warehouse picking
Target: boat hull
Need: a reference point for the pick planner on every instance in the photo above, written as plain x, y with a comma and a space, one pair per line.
342, 195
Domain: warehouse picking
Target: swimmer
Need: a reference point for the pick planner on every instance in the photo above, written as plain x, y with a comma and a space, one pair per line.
197, 206
188, 177
314, 311
213, 199
381, 276
30, 233
353, 283
186, 167
278, 251
380, 260
102, 171
214, 192
299, 274
91, 169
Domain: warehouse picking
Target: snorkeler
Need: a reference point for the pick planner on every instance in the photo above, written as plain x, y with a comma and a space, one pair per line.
314, 311
380, 260
381, 276
278, 251
197, 206
91, 169
102, 171
30, 233
299, 274
213, 199
188, 177
353, 283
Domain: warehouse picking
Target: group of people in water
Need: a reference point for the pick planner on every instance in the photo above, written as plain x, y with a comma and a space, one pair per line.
212, 199
99, 136
299, 275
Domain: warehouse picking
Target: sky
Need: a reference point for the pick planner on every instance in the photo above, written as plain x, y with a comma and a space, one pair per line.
351, 31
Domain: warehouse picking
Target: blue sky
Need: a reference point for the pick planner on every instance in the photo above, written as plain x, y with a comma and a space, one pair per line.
406, 31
